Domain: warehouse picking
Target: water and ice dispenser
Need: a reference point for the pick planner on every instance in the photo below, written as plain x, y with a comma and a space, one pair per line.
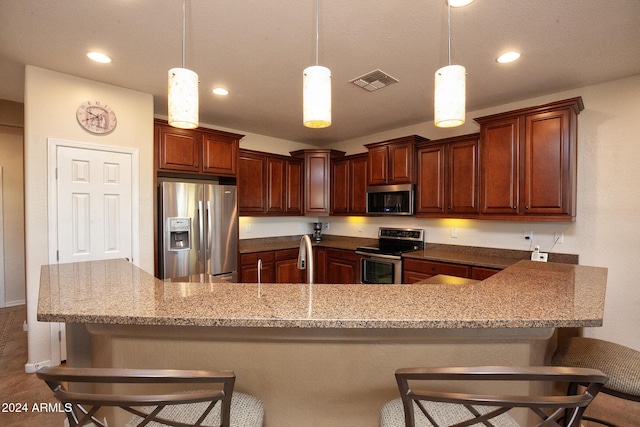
179, 233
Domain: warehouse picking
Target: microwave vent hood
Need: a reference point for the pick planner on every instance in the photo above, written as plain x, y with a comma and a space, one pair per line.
390, 199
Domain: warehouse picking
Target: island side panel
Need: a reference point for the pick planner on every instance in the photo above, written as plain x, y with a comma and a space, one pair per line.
316, 382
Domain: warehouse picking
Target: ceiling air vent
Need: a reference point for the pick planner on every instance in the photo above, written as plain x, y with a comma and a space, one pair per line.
374, 80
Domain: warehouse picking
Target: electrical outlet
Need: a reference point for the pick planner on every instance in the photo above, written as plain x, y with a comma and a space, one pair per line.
558, 237
454, 232
528, 235
536, 255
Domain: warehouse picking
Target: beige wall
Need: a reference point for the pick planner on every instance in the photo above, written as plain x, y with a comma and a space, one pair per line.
51, 100
12, 233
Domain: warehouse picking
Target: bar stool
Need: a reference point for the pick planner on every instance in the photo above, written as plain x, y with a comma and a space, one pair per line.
620, 363
217, 407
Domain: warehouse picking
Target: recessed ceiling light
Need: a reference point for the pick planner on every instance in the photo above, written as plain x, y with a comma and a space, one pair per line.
220, 91
99, 57
459, 3
508, 57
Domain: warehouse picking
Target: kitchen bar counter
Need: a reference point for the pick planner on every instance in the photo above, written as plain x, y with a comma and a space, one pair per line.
293, 242
319, 355
526, 295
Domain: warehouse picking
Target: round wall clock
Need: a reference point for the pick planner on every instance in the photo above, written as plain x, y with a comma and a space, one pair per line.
96, 118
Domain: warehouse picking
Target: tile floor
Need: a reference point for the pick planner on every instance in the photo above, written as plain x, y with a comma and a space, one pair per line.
16, 386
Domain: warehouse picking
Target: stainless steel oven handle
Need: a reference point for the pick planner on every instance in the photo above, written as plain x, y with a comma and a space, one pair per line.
383, 256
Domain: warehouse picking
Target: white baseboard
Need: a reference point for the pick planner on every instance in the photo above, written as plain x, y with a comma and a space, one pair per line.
30, 368
15, 303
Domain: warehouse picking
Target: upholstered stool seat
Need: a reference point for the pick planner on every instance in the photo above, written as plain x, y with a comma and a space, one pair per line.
392, 415
621, 364
246, 411
439, 398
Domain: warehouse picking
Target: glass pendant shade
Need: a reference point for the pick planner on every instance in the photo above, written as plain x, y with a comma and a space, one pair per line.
316, 97
183, 98
449, 97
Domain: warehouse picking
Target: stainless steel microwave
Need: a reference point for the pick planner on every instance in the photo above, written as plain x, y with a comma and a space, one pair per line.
390, 199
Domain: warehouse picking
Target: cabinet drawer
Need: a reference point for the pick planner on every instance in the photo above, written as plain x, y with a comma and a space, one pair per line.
341, 254
252, 258
287, 254
481, 273
433, 268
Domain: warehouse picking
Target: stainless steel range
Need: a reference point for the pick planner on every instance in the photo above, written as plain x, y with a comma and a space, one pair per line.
383, 264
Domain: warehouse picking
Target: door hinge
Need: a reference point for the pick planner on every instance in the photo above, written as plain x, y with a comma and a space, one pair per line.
60, 336
57, 255
56, 173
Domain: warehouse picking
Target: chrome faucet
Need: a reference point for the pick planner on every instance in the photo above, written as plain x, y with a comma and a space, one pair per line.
305, 257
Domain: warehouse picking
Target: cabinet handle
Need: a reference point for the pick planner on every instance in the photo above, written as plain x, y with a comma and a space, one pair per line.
515, 207
526, 207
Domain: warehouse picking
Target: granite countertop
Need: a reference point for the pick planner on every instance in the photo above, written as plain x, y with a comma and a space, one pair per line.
467, 255
525, 295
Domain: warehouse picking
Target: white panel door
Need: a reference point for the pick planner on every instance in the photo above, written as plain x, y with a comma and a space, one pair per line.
94, 204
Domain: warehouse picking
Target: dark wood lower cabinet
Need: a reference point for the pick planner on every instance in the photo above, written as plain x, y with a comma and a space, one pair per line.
481, 273
341, 266
287, 267
249, 267
414, 270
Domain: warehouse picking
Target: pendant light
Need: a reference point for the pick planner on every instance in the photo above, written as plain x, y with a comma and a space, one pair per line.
183, 90
450, 90
316, 92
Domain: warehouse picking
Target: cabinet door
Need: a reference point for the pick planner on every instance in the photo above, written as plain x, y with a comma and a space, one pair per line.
286, 267
320, 264
547, 183
340, 190
431, 175
462, 177
341, 266
252, 183
358, 185
178, 149
378, 163
276, 185
294, 187
499, 154
317, 176
401, 163
409, 277
219, 155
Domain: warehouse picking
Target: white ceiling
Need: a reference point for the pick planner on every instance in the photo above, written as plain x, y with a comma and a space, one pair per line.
258, 49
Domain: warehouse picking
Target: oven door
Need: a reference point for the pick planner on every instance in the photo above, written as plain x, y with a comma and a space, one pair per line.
380, 269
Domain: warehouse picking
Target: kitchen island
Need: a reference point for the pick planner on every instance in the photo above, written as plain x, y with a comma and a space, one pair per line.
316, 355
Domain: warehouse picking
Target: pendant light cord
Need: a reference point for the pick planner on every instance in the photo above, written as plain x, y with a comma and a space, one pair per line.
317, 33
449, 25
184, 29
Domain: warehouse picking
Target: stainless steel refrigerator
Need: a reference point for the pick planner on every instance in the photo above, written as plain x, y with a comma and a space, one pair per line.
199, 224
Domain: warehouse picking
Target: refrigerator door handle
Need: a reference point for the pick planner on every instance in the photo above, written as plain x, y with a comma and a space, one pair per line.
210, 241
200, 226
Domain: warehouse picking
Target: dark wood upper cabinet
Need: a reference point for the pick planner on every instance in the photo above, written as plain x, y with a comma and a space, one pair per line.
196, 151
178, 149
252, 183
269, 184
276, 179
448, 177
529, 162
392, 161
317, 179
348, 185
219, 154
